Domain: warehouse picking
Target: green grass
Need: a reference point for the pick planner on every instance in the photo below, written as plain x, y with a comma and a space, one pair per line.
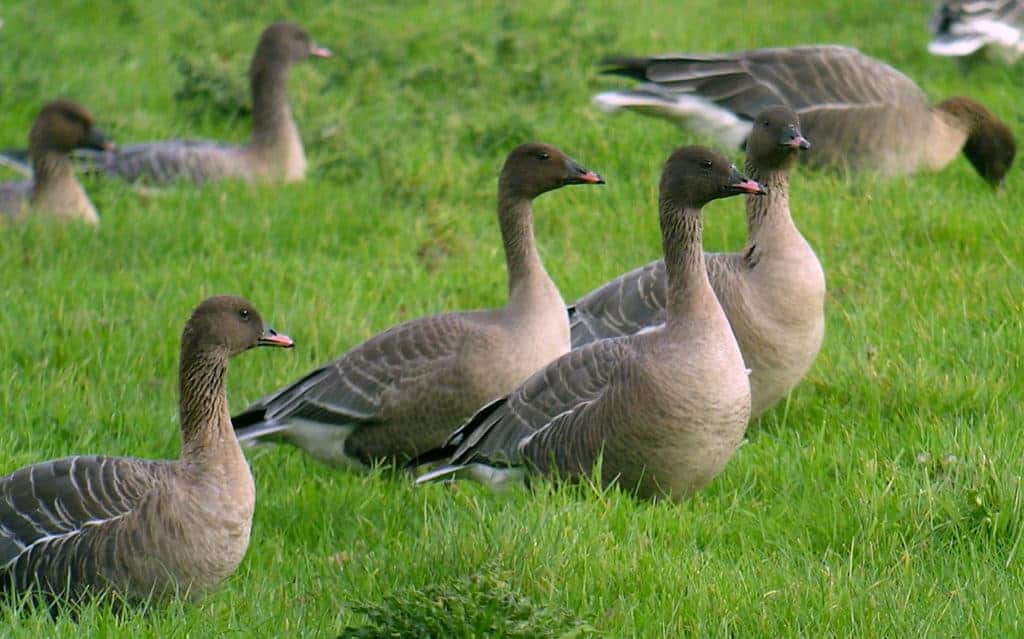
884, 499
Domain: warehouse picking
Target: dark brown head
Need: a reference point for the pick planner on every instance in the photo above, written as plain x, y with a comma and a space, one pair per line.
63, 125
990, 145
229, 324
534, 168
286, 43
695, 175
775, 139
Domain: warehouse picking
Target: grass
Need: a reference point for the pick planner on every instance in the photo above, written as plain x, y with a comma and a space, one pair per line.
883, 499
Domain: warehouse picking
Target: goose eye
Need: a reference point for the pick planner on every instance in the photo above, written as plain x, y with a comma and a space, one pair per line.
244, 314
706, 164
543, 155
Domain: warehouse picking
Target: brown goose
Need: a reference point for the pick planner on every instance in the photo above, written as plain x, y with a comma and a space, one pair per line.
274, 153
403, 391
773, 292
860, 112
62, 125
664, 409
142, 527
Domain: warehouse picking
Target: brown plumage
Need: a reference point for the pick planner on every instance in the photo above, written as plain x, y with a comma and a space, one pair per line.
860, 112
142, 527
60, 127
773, 292
403, 391
664, 410
274, 153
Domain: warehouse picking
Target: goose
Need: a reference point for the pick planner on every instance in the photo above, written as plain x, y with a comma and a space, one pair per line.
773, 292
860, 112
403, 391
60, 126
663, 410
274, 153
145, 528
965, 27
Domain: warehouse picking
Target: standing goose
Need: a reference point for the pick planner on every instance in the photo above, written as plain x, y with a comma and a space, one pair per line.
965, 27
403, 391
142, 527
773, 292
663, 409
62, 125
860, 112
274, 153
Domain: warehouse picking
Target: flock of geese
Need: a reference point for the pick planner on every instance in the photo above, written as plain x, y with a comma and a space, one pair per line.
651, 379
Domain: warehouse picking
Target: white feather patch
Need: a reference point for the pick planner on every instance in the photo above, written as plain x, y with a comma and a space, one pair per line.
701, 115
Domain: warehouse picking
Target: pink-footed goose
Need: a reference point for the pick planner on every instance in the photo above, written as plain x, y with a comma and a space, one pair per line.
274, 153
403, 391
62, 125
860, 112
137, 527
773, 292
965, 27
663, 410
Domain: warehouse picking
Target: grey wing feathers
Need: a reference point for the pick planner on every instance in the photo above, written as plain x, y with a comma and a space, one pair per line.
13, 196
628, 304
163, 162
352, 389
47, 507
561, 388
808, 79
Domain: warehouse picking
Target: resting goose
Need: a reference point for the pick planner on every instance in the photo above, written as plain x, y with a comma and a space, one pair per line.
860, 112
664, 410
965, 27
773, 293
274, 153
62, 125
140, 527
403, 391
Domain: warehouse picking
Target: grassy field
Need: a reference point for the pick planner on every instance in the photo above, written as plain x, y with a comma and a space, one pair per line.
883, 499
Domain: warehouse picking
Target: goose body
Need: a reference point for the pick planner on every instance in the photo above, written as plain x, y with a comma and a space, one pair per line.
275, 151
663, 410
860, 112
144, 528
965, 27
403, 391
62, 125
773, 292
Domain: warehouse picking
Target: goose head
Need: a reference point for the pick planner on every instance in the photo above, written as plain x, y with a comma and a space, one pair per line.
696, 175
775, 139
63, 125
535, 168
287, 43
231, 325
990, 145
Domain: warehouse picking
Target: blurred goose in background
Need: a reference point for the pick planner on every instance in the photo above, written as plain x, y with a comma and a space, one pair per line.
140, 527
62, 125
773, 292
663, 410
860, 112
965, 27
274, 153
403, 391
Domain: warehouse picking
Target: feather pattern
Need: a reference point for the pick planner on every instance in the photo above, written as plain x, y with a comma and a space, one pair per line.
964, 27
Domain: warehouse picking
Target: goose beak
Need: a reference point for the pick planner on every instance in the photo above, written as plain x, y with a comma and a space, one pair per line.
98, 140
794, 140
271, 337
739, 183
320, 52
579, 175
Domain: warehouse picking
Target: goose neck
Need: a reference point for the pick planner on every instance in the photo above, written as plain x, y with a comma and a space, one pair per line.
272, 115
770, 211
689, 290
52, 170
515, 216
203, 411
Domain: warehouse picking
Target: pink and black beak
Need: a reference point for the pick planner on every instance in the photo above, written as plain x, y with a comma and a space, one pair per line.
793, 139
576, 174
98, 140
318, 51
271, 337
739, 183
